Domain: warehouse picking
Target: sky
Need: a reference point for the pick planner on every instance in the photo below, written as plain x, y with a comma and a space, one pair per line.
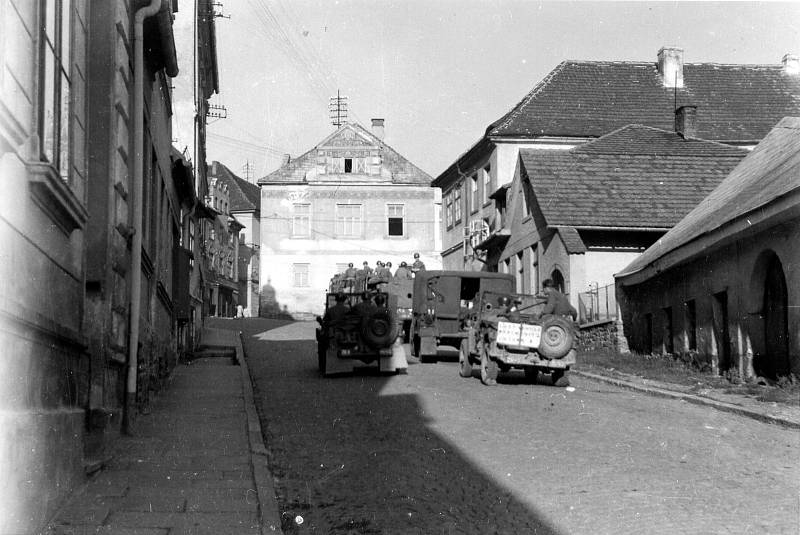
439, 72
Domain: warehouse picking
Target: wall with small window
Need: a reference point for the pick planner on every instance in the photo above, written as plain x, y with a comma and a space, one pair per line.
723, 310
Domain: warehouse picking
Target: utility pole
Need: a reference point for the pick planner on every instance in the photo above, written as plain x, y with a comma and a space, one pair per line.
338, 110
246, 170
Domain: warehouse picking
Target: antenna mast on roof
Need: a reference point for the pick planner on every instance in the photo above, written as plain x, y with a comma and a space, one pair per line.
338, 110
246, 170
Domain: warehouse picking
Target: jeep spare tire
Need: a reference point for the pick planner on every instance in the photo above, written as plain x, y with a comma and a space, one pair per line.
379, 329
557, 337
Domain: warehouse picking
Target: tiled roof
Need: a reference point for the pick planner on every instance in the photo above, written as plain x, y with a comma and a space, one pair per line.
770, 171
591, 98
243, 195
402, 171
650, 185
572, 240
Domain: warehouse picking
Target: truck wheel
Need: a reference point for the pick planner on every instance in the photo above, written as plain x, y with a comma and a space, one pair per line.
532, 375
488, 369
557, 338
560, 378
464, 365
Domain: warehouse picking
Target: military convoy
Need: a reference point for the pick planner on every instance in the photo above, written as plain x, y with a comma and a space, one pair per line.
477, 313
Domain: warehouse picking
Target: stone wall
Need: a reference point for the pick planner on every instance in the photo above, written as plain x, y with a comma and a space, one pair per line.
599, 336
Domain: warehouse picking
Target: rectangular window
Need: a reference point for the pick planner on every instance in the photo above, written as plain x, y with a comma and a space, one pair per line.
690, 325
348, 220
54, 93
448, 210
348, 165
487, 184
300, 275
457, 206
301, 220
473, 194
395, 214
341, 267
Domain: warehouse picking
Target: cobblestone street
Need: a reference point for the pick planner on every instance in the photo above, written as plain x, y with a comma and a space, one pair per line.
430, 452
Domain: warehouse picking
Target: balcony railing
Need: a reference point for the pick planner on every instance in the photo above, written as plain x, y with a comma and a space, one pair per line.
598, 304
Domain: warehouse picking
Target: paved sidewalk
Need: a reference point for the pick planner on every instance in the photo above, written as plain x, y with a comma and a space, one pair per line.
776, 413
195, 465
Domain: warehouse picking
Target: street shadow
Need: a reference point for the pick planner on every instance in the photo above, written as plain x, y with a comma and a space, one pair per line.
347, 457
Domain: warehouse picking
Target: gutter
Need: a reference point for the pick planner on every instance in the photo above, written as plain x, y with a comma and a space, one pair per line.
138, 178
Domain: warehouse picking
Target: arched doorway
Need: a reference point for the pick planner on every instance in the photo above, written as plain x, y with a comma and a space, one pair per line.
558, 280
776, 322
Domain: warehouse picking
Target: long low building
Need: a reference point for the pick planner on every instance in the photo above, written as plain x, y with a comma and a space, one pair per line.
724, 284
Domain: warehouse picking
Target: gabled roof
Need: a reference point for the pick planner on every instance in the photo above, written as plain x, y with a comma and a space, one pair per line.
770, 172
591, 98
399, 168
650, 184
243, 195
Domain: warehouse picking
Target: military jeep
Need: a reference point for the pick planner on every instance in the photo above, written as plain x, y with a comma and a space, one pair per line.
507, 330
360, 337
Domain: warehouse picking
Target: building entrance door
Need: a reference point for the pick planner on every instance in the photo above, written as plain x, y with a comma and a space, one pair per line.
776, 322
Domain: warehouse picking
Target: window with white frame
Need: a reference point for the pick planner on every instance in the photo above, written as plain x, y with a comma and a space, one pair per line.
396, 219
487, 184
348, 220
448, 209
457, 206
300, 275
473, 194
301, 220
54, 94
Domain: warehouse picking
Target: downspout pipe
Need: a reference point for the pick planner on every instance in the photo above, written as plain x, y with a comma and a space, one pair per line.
138, 179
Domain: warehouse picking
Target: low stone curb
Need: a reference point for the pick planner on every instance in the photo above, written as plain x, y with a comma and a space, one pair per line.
269, 515
691, 398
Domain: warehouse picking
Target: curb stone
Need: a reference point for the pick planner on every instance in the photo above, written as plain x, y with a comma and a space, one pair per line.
269, 515
691, 398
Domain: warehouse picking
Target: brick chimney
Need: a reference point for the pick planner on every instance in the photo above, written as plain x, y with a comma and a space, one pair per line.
686, 121
791, 64
670, 66
377, 128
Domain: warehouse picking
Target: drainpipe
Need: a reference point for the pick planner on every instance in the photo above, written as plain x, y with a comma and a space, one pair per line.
138, 178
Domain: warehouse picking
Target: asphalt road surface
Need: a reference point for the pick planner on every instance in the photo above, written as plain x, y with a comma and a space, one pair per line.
428, 452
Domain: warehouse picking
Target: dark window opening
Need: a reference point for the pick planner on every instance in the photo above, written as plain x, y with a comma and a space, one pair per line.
668, 334
691, 325
395, 226
348, 165
648, 333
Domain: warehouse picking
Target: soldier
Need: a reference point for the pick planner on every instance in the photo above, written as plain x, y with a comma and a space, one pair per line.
337, 312
557, 303
403, 272
418, 265
350, 276
366, 307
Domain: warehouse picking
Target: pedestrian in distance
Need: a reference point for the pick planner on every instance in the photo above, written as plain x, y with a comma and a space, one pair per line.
557, 303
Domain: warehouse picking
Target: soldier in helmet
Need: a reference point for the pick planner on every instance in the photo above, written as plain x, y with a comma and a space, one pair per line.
418, 265
403, 272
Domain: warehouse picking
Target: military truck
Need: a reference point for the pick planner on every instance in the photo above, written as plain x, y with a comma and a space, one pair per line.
442, 301
506, 330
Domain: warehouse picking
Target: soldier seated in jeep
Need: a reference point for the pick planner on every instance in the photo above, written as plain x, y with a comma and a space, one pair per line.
508, 331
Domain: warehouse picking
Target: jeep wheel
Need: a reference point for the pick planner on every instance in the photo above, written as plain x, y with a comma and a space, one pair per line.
560, 378
532, 375
464, 365
488, 369
557, 338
